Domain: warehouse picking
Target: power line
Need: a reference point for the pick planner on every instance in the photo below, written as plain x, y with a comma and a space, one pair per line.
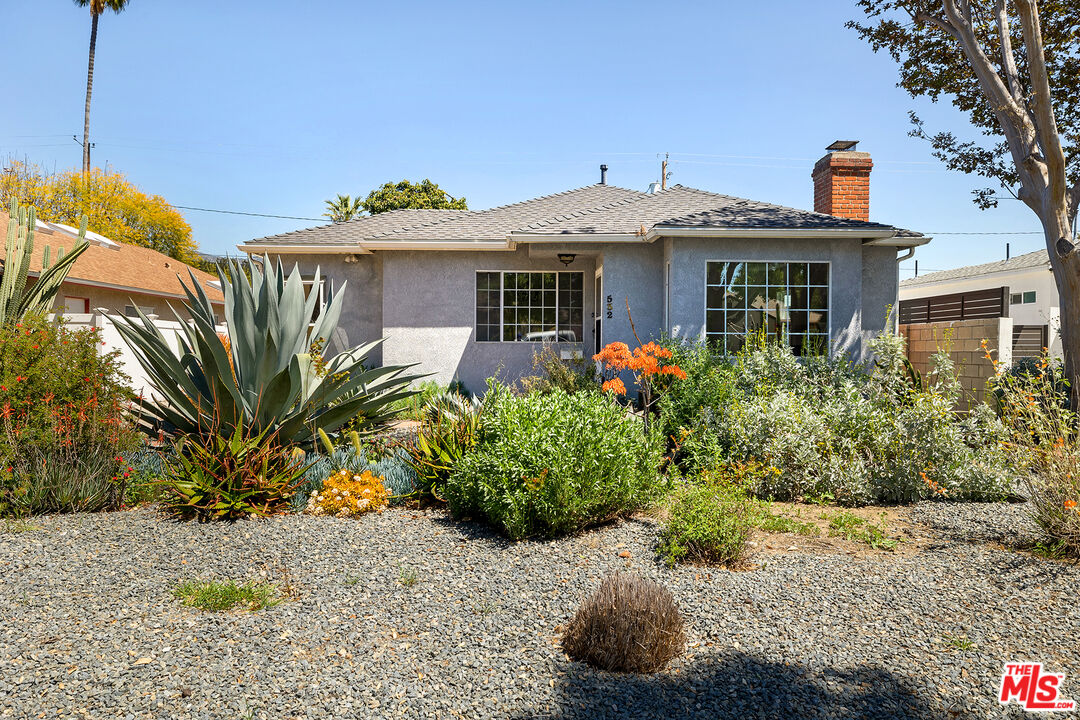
250, 214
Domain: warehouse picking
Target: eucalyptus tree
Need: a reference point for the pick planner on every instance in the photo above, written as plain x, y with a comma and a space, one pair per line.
1013, 67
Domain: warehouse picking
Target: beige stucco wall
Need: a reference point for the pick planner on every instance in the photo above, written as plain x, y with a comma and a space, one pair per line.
963, 339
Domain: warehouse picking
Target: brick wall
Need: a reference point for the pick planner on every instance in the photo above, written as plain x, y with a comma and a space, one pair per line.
842, 184
964, 339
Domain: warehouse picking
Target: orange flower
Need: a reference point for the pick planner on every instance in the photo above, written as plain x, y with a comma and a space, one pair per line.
1070, 504
614, 385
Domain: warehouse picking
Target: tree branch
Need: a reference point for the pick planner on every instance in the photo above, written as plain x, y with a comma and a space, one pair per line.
1008, 60
1043, 107
1015, 121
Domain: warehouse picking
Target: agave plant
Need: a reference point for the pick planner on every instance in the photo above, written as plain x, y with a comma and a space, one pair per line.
270, 372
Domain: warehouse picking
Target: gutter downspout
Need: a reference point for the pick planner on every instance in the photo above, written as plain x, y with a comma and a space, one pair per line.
899, 259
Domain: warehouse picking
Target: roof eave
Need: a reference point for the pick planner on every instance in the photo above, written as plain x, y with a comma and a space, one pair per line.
250, 248
808, 233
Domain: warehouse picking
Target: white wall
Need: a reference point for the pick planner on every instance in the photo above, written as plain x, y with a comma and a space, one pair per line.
111, 339
1044, 311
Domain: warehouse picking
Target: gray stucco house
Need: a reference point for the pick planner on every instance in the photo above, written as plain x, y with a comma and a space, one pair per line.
471, 294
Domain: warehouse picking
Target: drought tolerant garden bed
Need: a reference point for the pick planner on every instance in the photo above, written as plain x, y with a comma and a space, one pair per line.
771, 534
414, 614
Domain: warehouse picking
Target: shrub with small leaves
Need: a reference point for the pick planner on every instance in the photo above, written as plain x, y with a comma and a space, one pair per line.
629, 624
346, 494
709, 522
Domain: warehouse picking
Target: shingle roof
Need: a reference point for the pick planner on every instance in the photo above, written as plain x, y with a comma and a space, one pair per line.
1026, 261
128, 266
590, 210
498, 222
362, 228
682, 206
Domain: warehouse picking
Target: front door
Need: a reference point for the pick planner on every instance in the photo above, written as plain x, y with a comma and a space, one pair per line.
598, 309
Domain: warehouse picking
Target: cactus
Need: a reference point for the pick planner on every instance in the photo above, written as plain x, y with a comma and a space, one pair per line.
16, 300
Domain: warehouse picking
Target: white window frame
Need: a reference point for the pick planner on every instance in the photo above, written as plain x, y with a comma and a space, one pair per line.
705, 290
502, 286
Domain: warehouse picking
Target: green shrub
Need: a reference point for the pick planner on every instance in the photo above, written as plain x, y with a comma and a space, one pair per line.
840, 431
708, 522
224, 477
450, 429
552, 372
62, 426
550, 464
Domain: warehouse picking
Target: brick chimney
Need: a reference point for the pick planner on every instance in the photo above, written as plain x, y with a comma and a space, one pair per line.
842, 182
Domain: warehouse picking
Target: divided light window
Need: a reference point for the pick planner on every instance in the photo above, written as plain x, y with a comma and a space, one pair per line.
530, 306
744, 297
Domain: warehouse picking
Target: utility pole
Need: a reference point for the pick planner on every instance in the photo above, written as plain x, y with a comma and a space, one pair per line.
86, 153
663, 172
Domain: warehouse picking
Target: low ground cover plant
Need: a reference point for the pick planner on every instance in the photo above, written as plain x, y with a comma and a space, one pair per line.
857, 529
547, 465
222, 596
349, 494
832, 429
63, 434
391, 464
628, 624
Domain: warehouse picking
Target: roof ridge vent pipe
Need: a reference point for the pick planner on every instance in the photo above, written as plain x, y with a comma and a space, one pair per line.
603, 174
654, 187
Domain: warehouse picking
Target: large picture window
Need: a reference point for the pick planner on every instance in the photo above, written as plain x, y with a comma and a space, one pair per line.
783, 298
530, 306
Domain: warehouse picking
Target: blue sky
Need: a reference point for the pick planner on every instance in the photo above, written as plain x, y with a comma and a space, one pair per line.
274, 106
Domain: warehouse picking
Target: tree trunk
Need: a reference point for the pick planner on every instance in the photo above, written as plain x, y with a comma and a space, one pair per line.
89, 89
1065, 262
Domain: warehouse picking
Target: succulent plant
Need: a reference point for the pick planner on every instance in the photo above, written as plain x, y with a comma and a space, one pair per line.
16, 299
270, 372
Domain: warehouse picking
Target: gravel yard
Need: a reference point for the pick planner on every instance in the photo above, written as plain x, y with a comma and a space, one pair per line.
409, 614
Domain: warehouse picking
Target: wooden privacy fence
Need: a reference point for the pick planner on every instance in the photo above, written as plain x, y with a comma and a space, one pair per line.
972, 305
1029, 340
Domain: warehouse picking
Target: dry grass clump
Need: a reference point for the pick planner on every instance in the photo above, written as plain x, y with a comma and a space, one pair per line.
629, 624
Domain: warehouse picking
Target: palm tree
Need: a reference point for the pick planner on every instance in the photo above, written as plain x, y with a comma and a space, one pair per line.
343, 209
97, 7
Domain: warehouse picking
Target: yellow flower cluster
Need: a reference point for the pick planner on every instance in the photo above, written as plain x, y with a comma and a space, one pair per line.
346, 494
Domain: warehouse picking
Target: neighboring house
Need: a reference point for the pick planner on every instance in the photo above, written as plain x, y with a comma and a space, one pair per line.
471, 294
1021, 288
111, 279
115, 277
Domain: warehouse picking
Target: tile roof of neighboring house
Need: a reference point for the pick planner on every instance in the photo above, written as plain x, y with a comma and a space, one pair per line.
1026, 261
590, 210
127, 267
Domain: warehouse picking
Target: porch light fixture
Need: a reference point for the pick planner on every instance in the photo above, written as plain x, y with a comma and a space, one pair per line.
566, 258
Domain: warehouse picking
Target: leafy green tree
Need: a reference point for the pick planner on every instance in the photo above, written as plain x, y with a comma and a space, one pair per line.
343, 208
97, 9
424, 195
1014, 68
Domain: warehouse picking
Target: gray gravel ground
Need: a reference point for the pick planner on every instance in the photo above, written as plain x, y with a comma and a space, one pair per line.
90, 628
